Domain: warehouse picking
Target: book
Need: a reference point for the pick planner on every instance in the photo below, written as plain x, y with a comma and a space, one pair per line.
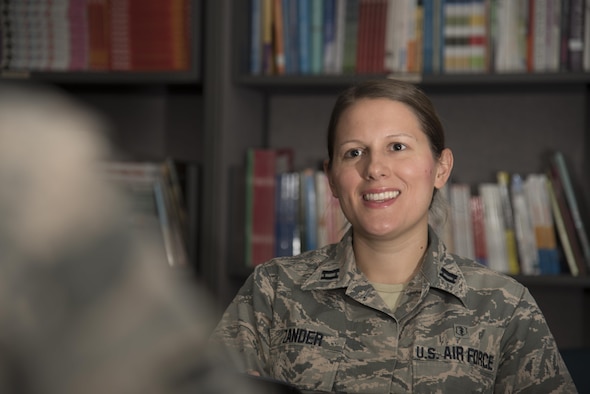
152, 203
256, 37
503, 179
260, 206
460, 194
339, 39
543, 223
98, 35
572, 252
479, 231
349, 54
278, 37
523, 228
495, 230
428, 37
308, 210
563, 174
304, 38
316, 36
291, 27
287, 237
329, 37
267, 37
575, 40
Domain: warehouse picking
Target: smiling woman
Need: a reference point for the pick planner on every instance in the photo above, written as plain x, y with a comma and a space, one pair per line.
388, 308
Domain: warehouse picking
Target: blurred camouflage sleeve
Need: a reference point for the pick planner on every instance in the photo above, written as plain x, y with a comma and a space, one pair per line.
243, 332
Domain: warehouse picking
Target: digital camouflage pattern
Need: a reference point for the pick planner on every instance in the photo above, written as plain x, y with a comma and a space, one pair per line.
315, 321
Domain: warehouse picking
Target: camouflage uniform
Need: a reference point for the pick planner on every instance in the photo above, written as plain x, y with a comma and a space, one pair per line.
315, 321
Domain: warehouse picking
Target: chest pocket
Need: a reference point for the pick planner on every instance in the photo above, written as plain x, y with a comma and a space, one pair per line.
306, 356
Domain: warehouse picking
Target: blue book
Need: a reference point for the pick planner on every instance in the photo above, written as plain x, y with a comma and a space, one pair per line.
303, 14
329, 60
428, 36
287, 218
309, 213
317, 36
255, 37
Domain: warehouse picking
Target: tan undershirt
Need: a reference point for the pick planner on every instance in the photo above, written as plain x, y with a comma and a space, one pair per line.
390, 293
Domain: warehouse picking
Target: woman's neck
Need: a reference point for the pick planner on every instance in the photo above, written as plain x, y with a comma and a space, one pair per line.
389, 261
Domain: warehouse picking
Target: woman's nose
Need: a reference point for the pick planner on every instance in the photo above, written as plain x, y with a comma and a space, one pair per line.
376, 167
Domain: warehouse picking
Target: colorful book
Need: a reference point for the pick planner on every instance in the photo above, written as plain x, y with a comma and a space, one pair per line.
543, 224
278, 37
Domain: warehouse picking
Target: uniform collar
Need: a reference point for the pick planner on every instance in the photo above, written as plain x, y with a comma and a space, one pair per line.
439, 270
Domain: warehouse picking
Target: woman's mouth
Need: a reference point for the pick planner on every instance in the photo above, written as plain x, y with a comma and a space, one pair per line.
383, 196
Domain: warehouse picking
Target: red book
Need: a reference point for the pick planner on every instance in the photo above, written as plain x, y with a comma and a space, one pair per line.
98, 34
261, 169
479, 236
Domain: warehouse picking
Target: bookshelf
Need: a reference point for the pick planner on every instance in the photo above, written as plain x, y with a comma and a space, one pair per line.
493, 121
152, 114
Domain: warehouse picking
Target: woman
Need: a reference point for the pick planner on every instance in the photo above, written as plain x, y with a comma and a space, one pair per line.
388, 309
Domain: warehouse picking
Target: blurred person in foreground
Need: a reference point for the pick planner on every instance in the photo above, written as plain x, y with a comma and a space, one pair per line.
388, 309
86, 304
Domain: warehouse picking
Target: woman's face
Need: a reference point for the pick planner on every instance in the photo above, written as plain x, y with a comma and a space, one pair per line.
383, 170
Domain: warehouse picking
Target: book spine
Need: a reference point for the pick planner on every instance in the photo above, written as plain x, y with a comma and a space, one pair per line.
570, 195
278, 37
428, 37
256, 37
317, 36
479, 233
494, 227
511, 248
576, 36
350, 37
304, 27
260, 206
543, 223
523, 228
462, 222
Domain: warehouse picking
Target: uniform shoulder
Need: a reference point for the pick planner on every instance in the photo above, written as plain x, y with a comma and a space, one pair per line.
298, 267
479, 277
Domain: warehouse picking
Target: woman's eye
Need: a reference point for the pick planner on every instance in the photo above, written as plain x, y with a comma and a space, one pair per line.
398, 146
353, 153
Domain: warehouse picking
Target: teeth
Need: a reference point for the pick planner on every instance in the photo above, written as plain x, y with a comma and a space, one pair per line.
380, 196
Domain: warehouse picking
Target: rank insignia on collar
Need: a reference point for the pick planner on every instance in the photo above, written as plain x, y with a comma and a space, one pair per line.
331, 274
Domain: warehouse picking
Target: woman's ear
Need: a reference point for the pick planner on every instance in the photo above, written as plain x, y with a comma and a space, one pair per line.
444, 168
329, 175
